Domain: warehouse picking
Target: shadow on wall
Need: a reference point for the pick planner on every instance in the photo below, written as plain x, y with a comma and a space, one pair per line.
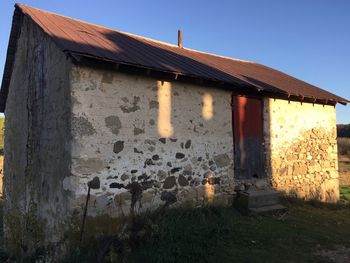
182, 63
38, 142
129, 49
123, 47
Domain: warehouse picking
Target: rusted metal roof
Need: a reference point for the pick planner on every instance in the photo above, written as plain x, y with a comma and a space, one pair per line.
81, 38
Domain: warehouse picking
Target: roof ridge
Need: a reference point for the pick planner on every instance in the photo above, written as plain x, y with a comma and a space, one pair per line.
189, 49
135, 35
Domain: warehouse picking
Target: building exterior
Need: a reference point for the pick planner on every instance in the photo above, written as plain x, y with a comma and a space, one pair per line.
151, 123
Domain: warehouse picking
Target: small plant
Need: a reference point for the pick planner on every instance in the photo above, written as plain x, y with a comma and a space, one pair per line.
345, 193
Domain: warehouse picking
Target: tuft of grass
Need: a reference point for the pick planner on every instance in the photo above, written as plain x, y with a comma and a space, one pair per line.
345, 193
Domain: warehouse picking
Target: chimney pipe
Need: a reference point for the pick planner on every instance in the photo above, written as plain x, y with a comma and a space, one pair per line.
179, 38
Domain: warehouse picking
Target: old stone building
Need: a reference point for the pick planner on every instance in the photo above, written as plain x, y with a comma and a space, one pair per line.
150, 124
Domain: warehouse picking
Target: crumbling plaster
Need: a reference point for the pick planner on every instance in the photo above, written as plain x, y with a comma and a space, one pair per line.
129, 128
301, 149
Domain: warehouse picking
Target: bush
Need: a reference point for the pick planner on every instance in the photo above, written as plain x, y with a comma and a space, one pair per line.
344, 146
343, 130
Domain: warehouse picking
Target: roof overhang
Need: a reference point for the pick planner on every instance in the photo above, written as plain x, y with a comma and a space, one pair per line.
237, 88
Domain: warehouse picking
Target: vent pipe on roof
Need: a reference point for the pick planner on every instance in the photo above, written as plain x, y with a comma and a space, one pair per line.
179, 38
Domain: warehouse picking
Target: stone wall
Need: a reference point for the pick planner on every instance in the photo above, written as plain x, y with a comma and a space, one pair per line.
301, 149
148, 142
37, 148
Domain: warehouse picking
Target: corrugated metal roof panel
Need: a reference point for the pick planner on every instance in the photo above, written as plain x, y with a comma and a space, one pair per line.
80, 37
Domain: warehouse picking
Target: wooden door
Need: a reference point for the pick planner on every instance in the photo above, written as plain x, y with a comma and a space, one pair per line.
248, 137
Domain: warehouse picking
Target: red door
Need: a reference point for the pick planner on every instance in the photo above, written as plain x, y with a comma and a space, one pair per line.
248, 137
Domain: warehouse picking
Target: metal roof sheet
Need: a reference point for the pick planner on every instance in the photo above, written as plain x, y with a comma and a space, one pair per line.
79, 37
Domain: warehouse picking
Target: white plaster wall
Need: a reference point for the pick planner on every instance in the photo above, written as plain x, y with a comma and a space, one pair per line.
288, 119
112, 107
302, 148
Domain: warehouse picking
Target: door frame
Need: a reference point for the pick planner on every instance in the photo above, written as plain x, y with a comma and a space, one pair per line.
263, 159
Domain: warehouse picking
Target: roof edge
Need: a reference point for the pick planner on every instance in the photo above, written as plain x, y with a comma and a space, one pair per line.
341, 100
10, 56
93, 61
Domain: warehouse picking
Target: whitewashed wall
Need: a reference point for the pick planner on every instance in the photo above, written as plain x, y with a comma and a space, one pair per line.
302, 149
173, 140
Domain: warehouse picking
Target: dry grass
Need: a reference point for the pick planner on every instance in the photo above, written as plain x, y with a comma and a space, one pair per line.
344, 178
344, 160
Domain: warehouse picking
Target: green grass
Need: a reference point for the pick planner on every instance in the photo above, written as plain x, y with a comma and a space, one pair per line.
345, 193
223, 235
214, 234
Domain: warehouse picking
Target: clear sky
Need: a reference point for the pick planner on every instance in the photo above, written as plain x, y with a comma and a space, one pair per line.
308, 39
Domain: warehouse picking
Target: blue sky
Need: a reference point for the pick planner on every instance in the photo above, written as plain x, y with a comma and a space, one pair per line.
309, 40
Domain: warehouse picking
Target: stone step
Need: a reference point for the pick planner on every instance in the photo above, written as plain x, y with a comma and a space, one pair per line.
268, 209
259, 198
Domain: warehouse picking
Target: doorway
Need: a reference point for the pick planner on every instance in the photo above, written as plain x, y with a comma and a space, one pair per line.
247, 115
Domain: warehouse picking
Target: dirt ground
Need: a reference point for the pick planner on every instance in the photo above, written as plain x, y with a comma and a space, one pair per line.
340, 254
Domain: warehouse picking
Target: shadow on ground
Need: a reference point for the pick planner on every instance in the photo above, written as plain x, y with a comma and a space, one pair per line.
308, 232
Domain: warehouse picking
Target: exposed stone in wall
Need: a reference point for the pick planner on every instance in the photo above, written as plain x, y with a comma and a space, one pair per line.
128, 107
89, 165
113, 123
301, 142
222, 160
118, 146
81, 126
141, 169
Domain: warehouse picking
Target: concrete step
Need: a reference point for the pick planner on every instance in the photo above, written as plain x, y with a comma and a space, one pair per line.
259, 198
258, 201
268, 209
